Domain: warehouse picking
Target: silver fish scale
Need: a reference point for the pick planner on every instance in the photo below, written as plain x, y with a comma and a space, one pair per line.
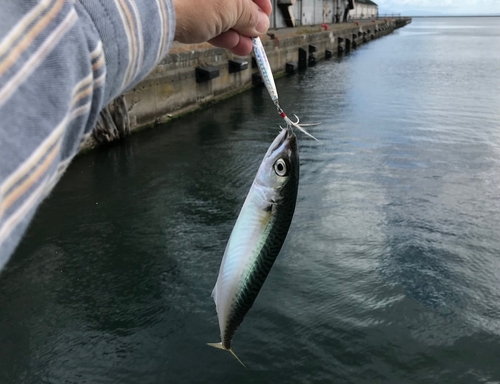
264, 262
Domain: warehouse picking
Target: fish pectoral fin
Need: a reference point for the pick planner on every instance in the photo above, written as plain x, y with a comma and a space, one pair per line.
271, 208
274, 209
220, 346
268, 208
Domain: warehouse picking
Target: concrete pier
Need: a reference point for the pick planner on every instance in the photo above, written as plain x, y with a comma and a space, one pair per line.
192, 76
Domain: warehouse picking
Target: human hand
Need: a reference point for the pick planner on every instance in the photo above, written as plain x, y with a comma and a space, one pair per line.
224, 23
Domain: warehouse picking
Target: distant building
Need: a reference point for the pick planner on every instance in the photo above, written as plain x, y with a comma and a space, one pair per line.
294, 13
364, 9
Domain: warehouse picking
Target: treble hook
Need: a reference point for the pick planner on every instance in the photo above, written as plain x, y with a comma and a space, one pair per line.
295, 124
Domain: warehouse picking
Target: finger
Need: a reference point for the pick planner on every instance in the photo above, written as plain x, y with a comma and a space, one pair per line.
244, 47
232, 40
265, 5
252, 21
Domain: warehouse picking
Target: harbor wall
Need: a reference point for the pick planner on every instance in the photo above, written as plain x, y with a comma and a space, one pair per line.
173, 88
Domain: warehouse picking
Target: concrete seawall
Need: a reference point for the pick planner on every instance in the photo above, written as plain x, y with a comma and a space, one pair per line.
172, 88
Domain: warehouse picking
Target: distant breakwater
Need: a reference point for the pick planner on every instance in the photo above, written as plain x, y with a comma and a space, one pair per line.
193, 76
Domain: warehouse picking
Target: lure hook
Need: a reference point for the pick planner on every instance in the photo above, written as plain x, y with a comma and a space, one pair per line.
300, 127
267, 76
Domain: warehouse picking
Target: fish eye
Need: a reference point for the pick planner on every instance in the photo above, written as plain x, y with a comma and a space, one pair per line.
280, 167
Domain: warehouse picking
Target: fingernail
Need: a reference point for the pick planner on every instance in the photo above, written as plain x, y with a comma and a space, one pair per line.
263, 23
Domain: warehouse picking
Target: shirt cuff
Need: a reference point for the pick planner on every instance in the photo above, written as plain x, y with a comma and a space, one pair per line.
136, 35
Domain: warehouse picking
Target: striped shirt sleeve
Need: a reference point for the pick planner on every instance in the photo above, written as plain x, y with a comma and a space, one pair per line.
61, 62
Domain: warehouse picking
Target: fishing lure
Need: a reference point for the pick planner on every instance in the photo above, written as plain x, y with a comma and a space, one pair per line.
267, 77
257, 236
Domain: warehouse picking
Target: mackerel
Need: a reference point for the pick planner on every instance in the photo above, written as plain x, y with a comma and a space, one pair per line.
257, 236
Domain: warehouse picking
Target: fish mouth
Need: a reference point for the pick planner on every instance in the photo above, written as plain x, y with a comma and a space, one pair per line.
290, 140
286, 137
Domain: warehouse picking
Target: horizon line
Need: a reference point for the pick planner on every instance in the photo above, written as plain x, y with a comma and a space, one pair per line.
478, 15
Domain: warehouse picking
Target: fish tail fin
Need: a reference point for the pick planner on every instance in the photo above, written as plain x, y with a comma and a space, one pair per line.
220, 346
237, 358
216, 345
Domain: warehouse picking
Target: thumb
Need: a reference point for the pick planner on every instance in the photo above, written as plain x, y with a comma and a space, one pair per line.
252, 20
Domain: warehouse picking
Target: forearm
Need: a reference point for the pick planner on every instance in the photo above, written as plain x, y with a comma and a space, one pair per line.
60, 64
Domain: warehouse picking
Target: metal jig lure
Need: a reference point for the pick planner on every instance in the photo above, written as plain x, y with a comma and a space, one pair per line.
267, 77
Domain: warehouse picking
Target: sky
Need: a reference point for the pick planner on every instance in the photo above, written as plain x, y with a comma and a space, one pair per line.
439, 7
